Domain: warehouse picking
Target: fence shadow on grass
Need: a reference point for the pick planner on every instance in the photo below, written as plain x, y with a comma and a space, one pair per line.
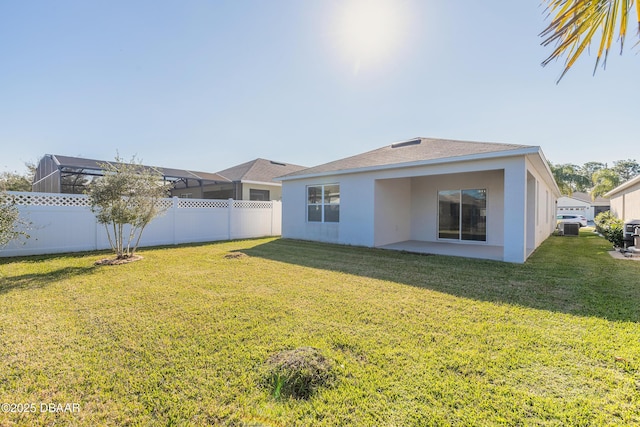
568, 275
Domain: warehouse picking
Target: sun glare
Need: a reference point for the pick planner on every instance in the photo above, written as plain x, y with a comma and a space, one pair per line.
370, 31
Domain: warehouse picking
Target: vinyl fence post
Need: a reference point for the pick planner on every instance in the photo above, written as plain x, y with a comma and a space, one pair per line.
230, 223
174, 213
96, 234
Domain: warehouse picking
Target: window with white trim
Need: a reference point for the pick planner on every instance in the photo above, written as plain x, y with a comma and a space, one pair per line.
323, 203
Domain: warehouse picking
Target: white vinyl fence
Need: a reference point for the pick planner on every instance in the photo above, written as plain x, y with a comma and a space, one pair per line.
65, 223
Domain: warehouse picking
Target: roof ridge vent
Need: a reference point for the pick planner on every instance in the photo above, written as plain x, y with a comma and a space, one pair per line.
415, 141
277, 163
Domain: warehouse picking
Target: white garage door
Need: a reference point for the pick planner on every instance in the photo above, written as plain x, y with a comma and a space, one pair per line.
573, 211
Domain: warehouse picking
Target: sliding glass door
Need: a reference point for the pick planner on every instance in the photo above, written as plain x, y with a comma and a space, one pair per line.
462, 215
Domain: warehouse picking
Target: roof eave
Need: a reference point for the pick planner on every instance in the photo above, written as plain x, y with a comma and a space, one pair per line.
466, 158
558, 193
623, 186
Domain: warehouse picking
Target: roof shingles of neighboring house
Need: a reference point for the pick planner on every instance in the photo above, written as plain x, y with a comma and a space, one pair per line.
410, 151
259, 170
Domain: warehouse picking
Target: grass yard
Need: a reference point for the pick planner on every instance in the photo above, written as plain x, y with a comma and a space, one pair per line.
181, 337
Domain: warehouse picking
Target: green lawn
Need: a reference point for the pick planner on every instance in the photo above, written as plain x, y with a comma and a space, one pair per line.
181, 337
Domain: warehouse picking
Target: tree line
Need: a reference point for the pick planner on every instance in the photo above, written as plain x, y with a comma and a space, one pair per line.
595, 178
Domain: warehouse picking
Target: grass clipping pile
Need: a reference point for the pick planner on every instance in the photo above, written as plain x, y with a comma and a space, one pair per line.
297, 373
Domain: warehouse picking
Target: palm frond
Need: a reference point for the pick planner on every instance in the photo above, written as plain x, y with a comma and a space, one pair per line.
575, 23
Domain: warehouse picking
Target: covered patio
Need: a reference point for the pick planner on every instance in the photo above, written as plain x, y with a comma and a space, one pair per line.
410, 214
491, 252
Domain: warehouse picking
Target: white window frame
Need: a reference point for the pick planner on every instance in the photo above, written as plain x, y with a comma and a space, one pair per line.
322, 203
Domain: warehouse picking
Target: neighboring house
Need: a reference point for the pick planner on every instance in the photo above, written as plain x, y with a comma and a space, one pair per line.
625, 200
254, 180
473, 199
66, 174
579, 203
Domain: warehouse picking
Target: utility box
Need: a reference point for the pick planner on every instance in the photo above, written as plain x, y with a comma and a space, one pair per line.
571, 229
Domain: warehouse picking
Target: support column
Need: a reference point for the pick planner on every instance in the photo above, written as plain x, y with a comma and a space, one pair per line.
515, 211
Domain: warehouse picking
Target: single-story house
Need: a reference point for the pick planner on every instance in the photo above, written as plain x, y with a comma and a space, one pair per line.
253, 180
472, 199
625, 200
581, 203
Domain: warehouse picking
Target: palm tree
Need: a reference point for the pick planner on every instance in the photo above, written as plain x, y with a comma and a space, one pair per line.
576, 22
604, 181
569, 178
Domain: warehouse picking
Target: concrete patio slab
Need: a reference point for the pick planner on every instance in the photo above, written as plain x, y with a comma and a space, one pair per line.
482, 251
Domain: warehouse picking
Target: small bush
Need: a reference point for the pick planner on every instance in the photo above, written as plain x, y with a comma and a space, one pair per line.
297, 373
610, 227
12, 226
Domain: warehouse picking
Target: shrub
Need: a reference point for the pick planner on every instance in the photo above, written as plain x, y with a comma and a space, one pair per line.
128, 194
611, 228
11, 225
297, 373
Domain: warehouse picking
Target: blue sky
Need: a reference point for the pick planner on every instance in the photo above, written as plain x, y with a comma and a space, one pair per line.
205, 85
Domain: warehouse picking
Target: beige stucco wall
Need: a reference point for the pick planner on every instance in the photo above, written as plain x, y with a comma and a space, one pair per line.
626, 204
617, 206
275, 191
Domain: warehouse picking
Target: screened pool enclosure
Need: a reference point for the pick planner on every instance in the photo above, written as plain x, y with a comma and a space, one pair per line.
71, 175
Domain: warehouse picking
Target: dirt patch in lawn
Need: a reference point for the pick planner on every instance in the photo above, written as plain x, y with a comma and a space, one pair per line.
118, 261
234, 255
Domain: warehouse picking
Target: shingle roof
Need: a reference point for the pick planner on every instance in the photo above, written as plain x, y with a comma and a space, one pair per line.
259, 170
414, 150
